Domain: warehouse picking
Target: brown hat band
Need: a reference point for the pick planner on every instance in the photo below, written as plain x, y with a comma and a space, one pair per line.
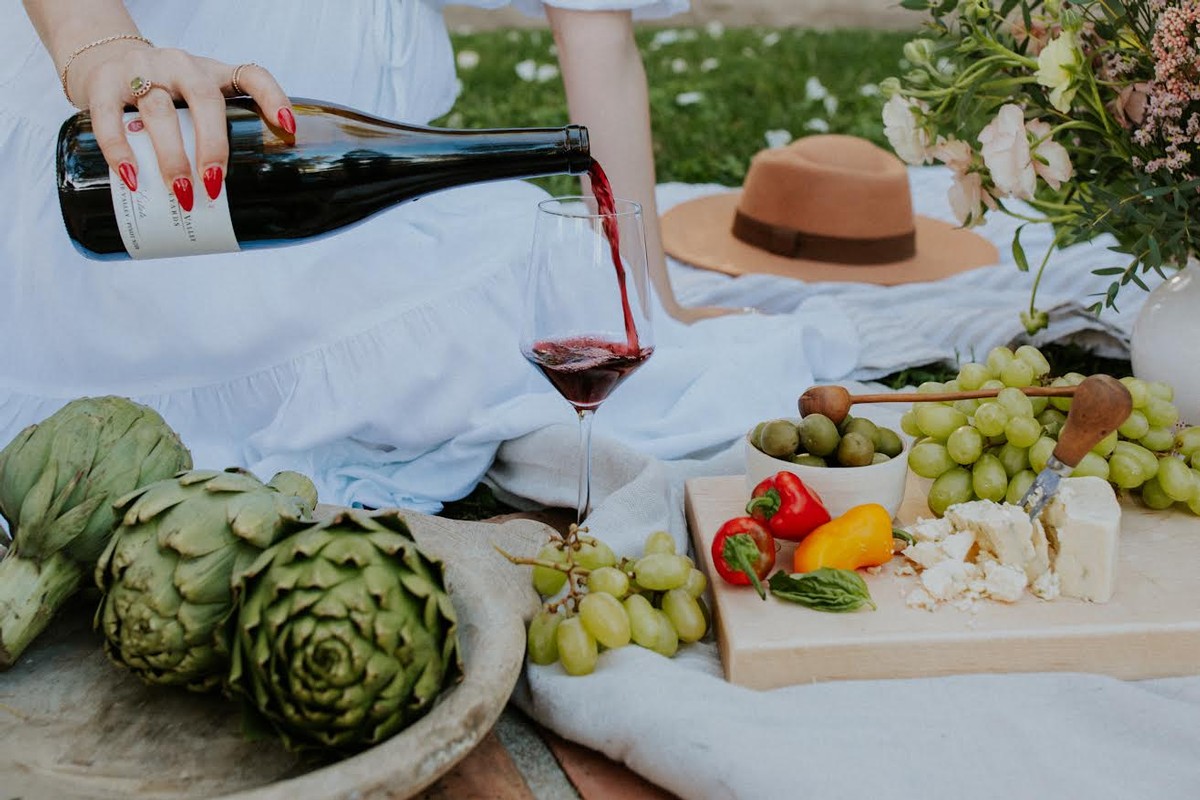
791, 243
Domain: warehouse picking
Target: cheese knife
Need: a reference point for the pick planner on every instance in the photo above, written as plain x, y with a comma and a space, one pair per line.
1100, 405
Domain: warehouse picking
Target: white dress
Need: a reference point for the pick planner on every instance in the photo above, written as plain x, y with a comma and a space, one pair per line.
380, 360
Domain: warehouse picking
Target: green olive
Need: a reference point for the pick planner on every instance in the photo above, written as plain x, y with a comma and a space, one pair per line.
756, 435
809, 460
818, 435
888, 442
855, 450
879, 457
864, 426
779, 438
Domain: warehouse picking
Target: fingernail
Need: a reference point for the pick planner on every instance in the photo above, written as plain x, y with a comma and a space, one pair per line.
128, 173
183, 192
213, 176
286, 120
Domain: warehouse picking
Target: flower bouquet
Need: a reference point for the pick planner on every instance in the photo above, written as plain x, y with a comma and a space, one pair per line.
1087, 112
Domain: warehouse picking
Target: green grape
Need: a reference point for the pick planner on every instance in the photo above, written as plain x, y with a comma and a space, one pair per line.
938, 419
1017, 373
965, 445
993, 385
696, 584
1161, 390
666, 643
1187, 441
605, 619
818, 435
1176, 478
1125, 471
1061, 403
1160, 413
855, 450
1019, 485
889, 443
952, 486
1147, 459
971, 375
1154, 497
576, 647
1091, 464
542, 641
608, 580
1034, 358
931, 387
908, 423
1051, 420
1015, 459
1157, 439
1195, 460
547, 581
1038, 404
685, 615
659, 542
989, 481
1193, 504
1022, 431
1105, 446
990, 418
643, 625
1015, 402
997, 359
1074, 378
593, 553
952, 385
1040, 453
967, 407
1136, 426
929, 459
661, 572
1139, 392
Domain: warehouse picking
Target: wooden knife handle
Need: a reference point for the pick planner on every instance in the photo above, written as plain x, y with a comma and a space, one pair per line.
1101, 405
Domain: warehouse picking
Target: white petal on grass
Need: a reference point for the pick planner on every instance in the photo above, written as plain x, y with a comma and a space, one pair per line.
513, 36
688, 98
709, 64
831, 105
455, 120
527, 70
467, 59
552, 50
679, 65
778, 137
869, 90
818, 125
771, 39
814, 89
546, 72
688, 35
749, 52
665, 36
715, 29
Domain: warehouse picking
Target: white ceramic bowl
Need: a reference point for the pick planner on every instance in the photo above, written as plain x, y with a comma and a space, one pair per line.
840, 488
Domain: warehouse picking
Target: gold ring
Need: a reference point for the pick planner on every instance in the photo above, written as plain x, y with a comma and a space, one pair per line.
236, 72
139, 86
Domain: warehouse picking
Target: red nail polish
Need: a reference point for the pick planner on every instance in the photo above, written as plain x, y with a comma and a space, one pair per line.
286, 120
183, 192
128, 174
213, 177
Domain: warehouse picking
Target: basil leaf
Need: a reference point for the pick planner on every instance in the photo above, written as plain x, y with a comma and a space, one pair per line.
824, 589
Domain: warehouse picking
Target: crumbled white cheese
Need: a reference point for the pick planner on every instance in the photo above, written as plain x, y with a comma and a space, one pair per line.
930, 530
1006, 532
1002, 582
948, 579
919, 598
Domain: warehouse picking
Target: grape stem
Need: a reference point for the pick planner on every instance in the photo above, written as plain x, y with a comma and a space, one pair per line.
575, 573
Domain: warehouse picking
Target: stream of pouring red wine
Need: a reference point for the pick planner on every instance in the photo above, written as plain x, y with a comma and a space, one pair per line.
606, 205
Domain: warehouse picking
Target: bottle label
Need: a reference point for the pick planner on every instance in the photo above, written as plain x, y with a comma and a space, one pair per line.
152, 223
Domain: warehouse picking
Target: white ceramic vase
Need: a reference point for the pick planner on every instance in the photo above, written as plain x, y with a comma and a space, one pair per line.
1165, 343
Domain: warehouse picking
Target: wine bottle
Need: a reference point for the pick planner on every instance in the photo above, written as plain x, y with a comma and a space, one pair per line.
340, 167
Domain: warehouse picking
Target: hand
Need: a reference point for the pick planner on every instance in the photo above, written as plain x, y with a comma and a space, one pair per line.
106, 82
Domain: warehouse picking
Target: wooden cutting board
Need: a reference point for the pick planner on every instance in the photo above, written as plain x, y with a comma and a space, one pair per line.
1150, 628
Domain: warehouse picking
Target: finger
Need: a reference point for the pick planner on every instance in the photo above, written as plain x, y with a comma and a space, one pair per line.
207, 105
261, 85
162, 123
108, 125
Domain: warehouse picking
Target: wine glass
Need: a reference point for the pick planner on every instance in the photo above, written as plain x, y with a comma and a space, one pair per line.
587, 314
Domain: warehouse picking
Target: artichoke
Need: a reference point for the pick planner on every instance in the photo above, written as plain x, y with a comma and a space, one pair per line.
345, 633
166, 573
58, 479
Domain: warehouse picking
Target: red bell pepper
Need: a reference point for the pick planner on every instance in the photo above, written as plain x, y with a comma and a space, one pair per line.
789, 508
743, 551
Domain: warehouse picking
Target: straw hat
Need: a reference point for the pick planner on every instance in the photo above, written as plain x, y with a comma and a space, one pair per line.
824, 208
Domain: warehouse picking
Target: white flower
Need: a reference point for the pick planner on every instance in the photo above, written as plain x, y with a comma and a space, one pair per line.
771, 39
814, 89
709, 64
1057, 64
778, 138
679, 65
467, 59
546, 72
1006, 153
1050, 159
552, 50
818, 125
715, 29
906, 135
831, 105
869, 90
665, 36
954, 153
688, 98
527, 70
749, 52
688, 35
968, 198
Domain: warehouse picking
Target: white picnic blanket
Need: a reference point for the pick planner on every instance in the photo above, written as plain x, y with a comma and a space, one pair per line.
680, 724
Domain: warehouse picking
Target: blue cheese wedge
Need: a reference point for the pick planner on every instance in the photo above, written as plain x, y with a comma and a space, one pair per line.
1083, 524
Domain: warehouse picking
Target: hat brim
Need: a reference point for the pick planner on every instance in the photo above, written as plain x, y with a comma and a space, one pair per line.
700, 232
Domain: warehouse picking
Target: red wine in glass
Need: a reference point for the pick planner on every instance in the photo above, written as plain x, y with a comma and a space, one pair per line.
586, 369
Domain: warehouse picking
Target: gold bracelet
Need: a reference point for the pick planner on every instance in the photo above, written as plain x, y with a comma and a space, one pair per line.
62, 76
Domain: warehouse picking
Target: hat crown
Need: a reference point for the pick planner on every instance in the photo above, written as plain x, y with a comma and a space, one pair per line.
830, 185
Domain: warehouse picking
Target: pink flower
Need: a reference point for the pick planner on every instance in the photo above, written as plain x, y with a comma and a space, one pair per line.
1006, 153
968, 198
954, 153
904, 131
1129, 108
1050, 159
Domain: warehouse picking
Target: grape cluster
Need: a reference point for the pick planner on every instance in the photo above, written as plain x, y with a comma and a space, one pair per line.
654, 601
992, 449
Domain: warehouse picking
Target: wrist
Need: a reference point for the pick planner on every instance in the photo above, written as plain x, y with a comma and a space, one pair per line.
80, 62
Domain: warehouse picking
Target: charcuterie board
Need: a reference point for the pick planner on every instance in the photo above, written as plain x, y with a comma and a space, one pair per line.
1150, 628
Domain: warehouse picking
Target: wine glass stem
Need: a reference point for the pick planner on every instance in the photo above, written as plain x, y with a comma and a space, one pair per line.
585, 465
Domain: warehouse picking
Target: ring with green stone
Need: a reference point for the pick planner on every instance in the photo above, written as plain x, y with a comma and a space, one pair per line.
139, 86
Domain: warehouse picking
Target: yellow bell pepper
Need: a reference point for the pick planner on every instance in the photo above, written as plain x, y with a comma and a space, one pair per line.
862, 537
